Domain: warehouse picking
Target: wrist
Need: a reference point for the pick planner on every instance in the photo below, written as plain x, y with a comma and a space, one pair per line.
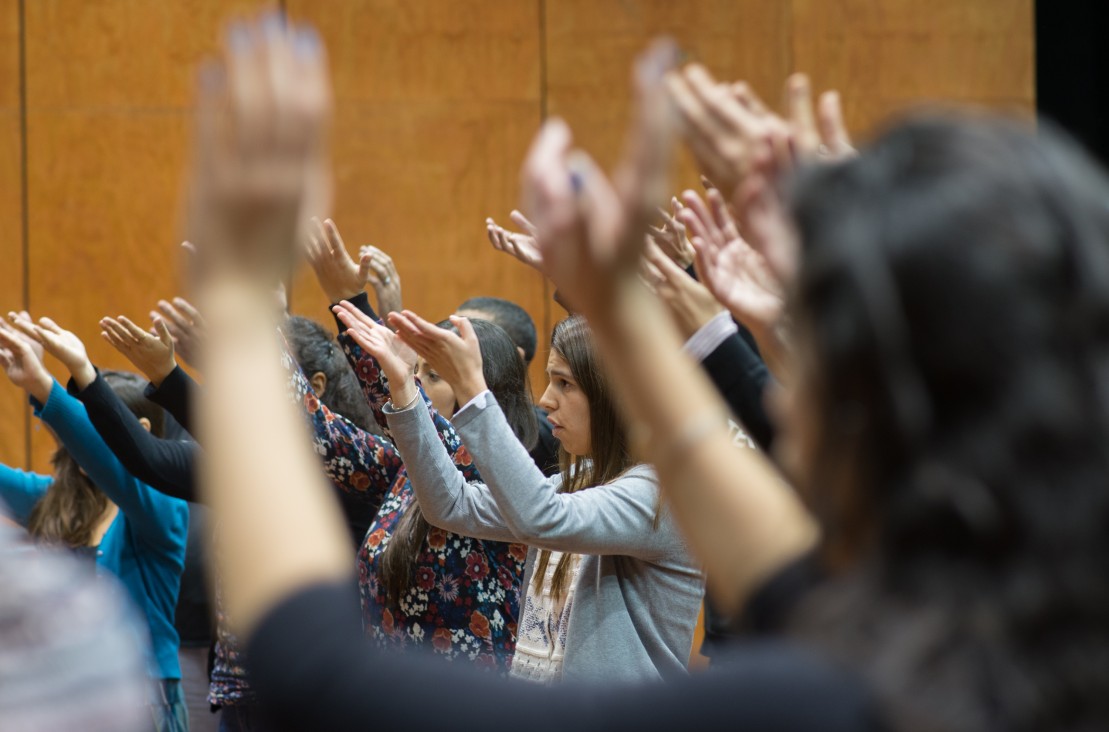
158, 375
403, 392
40, 387
83, 374
469, 388
338, 294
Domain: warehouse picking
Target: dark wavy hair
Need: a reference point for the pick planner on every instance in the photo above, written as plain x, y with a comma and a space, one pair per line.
573, 341
953, 302
510, 316
72, 507
317, 351
507, 378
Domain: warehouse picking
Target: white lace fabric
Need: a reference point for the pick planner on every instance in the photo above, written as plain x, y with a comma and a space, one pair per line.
541, 632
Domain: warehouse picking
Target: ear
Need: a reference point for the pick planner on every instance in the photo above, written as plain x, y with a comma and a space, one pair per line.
318, 381
521, 352
145, 423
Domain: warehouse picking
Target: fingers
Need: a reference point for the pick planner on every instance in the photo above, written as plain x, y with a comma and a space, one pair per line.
173, 315
163, 333
799, 103
117, 335
522, 221
13, 343
666, 267
28, 328
698, 217
465, 328
352, 316
833, 131
722, 216
137, 334
333, 240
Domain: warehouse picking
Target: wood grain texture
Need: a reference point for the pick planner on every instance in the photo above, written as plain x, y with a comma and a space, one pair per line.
109, 84
591, 46
436, 102
13, 405
895, 55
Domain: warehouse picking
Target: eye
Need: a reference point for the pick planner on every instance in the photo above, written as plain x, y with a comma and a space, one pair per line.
564, 384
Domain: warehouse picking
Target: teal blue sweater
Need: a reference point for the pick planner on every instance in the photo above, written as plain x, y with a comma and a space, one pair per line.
145, 544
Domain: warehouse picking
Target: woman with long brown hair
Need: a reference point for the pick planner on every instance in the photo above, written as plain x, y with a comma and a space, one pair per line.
611, 592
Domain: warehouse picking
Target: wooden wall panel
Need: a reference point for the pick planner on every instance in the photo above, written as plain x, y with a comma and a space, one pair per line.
13, 405
888, 56
591, 45
109, 85
436, 102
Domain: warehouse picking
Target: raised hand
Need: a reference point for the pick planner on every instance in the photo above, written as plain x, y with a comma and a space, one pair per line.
521, 245
690, 303
151, 353
21, 360
62, 345
821, 134
339, 276
454, 356
735, 273
260, 151
186, 327
671, 237
591, 232
723, 125
397, 360
377, 268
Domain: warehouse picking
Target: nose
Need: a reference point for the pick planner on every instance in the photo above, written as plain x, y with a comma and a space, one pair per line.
547, 400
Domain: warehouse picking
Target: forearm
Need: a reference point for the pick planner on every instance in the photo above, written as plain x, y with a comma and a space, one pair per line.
370, 377
167, 466
261, 482
446, 498
742, 521
175, 394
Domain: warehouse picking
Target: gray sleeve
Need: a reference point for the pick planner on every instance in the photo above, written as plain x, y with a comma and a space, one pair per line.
447, 500
615, 518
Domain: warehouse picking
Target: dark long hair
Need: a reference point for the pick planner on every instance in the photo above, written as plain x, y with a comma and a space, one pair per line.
954, 302
507, 378
317, 351
573, 341
72, 507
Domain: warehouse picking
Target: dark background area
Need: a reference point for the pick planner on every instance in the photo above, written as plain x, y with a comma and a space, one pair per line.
1072, 68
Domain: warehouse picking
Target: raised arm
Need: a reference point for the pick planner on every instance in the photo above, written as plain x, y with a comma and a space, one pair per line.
165, 465
441, 469
617, 518
154, 355
161, 519
739, 517
368, 335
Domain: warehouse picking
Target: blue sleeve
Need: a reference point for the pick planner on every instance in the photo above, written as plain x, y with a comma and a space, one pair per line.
159, 519
21, 490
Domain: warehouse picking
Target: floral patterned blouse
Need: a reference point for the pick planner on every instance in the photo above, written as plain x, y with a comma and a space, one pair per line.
463, 599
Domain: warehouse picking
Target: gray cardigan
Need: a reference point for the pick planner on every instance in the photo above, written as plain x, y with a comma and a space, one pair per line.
639, 590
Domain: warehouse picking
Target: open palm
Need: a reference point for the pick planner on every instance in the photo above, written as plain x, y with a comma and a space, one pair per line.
736, 274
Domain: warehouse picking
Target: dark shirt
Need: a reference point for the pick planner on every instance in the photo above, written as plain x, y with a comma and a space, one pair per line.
313, 671
545, 452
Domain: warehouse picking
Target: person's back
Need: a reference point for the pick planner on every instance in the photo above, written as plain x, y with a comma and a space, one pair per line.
970, 260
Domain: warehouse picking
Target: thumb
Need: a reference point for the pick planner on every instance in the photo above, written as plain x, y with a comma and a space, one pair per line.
365, 271
465, 328
163, 333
